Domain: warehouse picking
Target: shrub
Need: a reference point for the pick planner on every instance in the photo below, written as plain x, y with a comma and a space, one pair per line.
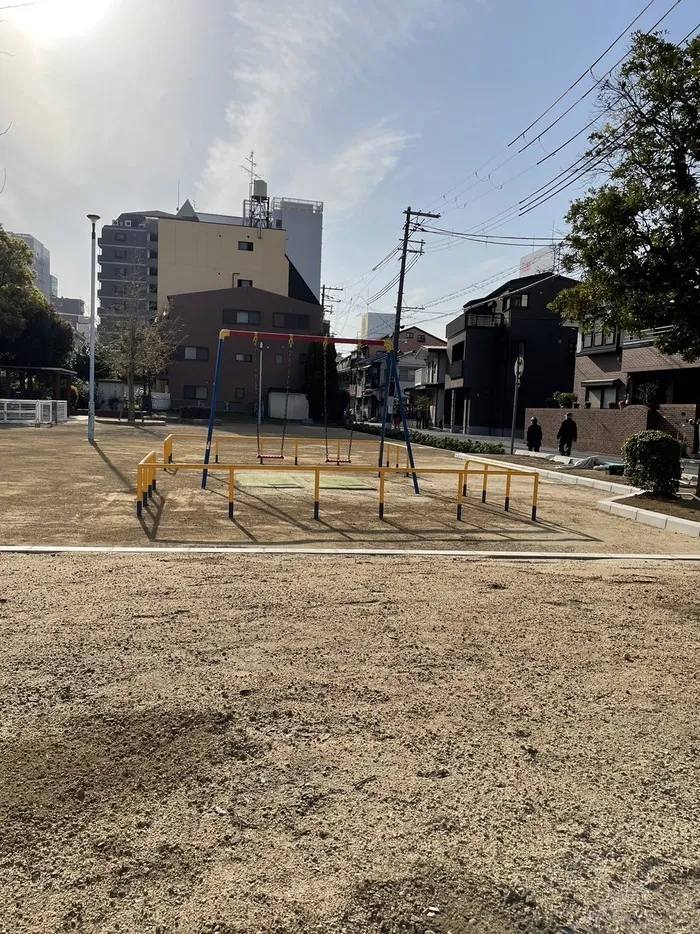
446, 442
565, 400
653, 462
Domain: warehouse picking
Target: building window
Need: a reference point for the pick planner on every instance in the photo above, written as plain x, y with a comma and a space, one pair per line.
153, 306
244, 358
152, 289
298, 322
240, 394
421, 338
245, 283
152, 270
588, 339
194, 392
120, 254
118, 289
520, 301
246, 246
233, 316
279, 358
120, 270
195, 353
409, 335
120, 237
597, 338
609, 338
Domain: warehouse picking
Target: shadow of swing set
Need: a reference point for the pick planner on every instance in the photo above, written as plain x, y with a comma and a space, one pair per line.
150, 465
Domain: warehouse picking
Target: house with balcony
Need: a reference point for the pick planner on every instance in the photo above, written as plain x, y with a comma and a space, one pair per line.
484, 342
429, 381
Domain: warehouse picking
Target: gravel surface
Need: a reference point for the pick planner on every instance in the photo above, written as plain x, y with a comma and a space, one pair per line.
286, 745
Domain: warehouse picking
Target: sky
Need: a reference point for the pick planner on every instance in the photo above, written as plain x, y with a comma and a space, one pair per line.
366, 105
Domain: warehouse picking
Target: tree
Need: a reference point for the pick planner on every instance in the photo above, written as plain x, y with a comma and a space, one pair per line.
637, 236
313, 383
16, 282
81, 363
137, 343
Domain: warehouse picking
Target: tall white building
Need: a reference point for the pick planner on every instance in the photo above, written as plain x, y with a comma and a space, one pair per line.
41, 264
303, 223
374, 326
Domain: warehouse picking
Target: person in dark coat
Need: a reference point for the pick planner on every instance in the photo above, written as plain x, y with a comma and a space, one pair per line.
567, 434
534, 435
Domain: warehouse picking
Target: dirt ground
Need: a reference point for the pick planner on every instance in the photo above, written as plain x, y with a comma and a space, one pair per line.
684, 507
251, 744
57, 489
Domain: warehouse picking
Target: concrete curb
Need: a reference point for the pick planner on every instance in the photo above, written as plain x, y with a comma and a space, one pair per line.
656, 519
554, 476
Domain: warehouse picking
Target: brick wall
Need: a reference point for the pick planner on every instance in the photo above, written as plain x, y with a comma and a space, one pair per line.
596, 366
600, 431
678, 420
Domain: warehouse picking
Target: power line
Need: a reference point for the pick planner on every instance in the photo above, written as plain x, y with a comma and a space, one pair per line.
583, 74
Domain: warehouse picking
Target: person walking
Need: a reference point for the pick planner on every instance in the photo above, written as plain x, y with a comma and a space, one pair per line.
567, 434
534, 435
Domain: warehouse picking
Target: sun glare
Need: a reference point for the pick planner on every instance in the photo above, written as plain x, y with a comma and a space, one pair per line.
56, 19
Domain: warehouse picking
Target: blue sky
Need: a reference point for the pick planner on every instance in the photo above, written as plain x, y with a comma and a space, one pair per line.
367, 105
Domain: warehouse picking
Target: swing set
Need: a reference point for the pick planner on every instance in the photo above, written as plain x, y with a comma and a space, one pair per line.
392, 372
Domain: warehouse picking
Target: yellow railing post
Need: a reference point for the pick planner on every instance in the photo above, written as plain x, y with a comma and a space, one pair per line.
466, 478
486, 483
535, 492
231, 487
382, 478
509, 477
296, 452
317, 491
216, 450
139, 491
460, 495
338, 453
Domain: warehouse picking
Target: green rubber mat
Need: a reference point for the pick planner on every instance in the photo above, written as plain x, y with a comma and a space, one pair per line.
339, 481
268, 479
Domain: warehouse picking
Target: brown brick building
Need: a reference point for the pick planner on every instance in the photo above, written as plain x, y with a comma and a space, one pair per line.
203, 314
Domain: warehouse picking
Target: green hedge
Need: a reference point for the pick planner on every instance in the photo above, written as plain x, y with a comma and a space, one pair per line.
447, 442
653, 462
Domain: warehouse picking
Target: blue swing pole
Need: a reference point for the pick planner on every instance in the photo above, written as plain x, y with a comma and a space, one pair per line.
402, 410
212, 413
385, 405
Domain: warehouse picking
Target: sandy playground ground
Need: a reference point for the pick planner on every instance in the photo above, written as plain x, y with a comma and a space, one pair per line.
265, 744
58, 490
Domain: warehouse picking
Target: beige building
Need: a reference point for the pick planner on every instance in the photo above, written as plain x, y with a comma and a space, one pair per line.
202, 257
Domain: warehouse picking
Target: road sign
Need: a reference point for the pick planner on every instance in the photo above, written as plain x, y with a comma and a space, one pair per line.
518, 367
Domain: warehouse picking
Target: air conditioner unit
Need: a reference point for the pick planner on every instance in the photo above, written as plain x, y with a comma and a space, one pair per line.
127, 223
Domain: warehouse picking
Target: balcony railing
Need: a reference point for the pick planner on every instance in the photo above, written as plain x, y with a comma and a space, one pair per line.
456, 369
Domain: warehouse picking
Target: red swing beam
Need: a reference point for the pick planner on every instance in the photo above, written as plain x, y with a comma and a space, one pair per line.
308, 338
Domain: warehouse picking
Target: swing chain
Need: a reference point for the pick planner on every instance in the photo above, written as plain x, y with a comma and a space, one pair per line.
256, 379
286, 395
325, 393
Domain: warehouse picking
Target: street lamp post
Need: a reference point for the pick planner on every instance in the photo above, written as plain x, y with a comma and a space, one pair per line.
93, 218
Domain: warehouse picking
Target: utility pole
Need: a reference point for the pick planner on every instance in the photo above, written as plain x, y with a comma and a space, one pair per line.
330, 299
402, 274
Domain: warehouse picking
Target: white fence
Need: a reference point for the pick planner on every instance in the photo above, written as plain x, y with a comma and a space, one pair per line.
32, 411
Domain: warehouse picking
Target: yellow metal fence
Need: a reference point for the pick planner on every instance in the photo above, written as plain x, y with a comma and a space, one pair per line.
148, 467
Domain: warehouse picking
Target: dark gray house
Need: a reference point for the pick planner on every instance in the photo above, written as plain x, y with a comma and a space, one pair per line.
484, 342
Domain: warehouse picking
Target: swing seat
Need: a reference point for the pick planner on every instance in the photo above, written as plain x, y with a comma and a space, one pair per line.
270, 457
336, 460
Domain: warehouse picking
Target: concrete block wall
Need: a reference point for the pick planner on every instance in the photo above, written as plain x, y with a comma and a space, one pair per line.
677, 419
600, 431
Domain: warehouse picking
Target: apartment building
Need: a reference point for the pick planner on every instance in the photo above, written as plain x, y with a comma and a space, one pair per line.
485, 341
202, 315
41, 263
152, 255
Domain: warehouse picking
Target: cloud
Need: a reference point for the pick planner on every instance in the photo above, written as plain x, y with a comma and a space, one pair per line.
292, 60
